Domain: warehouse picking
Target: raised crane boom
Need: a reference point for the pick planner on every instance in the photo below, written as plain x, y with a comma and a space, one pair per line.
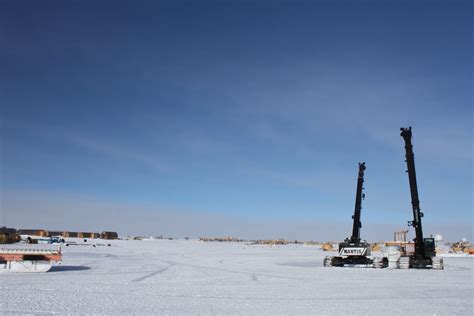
415, 202
355, 238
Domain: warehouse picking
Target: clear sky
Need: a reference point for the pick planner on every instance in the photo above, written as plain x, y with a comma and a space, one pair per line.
243, 118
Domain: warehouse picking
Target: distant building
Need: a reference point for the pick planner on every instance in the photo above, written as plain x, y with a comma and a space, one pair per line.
400, 236
89, 235
109, 235
33, 232
57, 233
9, 235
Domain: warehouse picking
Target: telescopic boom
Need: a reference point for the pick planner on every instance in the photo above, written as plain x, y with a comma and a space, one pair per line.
355, 238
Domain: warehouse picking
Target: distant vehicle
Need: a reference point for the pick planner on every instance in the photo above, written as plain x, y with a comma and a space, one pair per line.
47, 240
28, 258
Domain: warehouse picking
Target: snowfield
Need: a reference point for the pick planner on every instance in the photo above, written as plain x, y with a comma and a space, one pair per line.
192, 277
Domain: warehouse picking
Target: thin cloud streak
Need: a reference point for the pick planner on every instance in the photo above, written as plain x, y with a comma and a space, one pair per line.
119, 152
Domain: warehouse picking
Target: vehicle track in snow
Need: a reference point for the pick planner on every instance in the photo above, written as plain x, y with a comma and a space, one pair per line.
207, 270
152, 274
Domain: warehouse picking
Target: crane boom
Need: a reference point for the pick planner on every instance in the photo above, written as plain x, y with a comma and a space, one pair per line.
355, 238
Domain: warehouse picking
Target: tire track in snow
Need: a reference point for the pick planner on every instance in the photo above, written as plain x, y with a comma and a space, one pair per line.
203, 268
240, 272
22, 312
152, 274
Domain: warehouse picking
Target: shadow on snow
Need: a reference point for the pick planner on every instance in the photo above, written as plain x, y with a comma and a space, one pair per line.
68, 268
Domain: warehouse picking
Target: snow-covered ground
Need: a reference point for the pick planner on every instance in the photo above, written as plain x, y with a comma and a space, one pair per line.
191, 277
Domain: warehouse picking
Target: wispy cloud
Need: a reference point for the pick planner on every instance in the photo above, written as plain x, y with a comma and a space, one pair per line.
319, 180
119, 152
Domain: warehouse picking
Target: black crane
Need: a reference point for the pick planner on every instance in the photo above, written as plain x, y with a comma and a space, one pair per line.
424, 247
353, 251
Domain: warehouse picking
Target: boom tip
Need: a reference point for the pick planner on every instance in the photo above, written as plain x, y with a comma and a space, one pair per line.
405, 131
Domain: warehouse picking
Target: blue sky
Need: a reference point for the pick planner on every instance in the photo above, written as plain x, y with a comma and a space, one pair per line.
197, 117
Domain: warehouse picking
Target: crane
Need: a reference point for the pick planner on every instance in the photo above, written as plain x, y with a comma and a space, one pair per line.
425, 254
353, 251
